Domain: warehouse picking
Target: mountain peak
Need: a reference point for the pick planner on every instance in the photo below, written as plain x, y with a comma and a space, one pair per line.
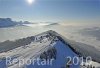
47, 45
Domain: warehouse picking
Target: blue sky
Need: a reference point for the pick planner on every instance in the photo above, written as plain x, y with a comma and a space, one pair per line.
50, 10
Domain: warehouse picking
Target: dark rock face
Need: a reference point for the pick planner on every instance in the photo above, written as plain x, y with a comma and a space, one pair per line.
49, 54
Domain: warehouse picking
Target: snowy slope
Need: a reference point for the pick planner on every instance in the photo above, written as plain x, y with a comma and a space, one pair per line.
52, 44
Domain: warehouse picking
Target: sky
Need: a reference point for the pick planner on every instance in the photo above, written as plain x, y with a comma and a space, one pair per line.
50, 10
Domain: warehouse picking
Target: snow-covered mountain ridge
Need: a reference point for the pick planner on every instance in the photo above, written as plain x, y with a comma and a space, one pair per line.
47, 45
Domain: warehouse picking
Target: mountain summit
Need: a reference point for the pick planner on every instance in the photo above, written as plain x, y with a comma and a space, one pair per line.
46, 50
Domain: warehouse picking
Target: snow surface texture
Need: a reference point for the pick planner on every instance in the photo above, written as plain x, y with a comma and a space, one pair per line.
42, 43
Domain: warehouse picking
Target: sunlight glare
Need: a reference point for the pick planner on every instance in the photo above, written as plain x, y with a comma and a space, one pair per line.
30, 1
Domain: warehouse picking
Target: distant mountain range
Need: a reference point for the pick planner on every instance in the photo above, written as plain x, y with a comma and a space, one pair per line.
8, 22
52, 24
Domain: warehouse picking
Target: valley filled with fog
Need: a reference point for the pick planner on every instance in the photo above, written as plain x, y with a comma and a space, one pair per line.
88, 34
